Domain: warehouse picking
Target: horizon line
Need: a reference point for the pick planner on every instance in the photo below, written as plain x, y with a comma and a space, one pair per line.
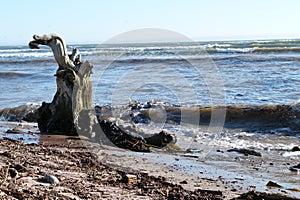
171, 41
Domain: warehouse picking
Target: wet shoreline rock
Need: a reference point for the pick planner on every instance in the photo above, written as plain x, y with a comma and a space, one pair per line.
47, 178
246, 152
295, 168
262, 195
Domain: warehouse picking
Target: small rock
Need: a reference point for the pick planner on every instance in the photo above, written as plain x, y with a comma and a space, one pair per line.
13, 172
246, 152
190, 155
273, 184
297, 166
14, 130
144, 171
161, 139
295, 169
49, 179
130, 179
183, 182
295, 148
189, 150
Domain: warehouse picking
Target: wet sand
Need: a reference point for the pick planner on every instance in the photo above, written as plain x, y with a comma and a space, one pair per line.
90, 170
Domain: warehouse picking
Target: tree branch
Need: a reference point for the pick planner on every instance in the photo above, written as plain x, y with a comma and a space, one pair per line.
59, 50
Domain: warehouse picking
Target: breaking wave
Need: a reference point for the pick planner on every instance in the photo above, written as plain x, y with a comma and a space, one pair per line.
24, 112
159, 50
273, 119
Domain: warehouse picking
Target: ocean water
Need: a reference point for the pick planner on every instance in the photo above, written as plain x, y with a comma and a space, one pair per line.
258, 79
247, 73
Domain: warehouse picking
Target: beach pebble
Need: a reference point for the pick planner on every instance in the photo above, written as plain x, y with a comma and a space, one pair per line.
130, 179
295, 169
49, 179
143, 171
14, 130
295, 148
13, 172
183, 182
273, 184
297, 166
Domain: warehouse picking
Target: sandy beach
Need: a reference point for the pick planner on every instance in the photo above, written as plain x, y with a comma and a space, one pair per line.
86, 170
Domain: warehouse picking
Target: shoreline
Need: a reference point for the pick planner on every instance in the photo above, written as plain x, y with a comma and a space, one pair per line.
230, 173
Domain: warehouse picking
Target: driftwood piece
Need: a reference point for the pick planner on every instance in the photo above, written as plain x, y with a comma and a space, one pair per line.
59, 49
122, 139
70, 111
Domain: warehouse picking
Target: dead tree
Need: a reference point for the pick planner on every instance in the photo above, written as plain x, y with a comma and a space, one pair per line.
70, 111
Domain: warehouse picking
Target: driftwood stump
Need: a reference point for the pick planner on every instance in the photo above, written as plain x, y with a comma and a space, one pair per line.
70, 109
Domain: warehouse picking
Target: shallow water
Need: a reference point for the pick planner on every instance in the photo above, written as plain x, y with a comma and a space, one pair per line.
27, 132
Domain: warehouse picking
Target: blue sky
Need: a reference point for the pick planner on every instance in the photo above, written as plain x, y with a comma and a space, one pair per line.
94, 21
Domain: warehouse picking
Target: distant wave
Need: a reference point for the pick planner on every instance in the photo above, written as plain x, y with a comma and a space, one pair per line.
27, 61
166, 54
26, 54
194, 50
159, 50
252, 49
11, 50
9, 75
276, 49
232, 50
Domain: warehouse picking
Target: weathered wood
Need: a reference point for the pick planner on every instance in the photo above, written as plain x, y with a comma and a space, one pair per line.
70, 111
73, 97
58, 47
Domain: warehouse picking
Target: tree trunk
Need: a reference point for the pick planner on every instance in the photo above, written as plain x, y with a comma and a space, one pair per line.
70, 110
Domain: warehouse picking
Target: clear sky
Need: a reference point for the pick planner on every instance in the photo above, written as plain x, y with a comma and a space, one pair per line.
94, 21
